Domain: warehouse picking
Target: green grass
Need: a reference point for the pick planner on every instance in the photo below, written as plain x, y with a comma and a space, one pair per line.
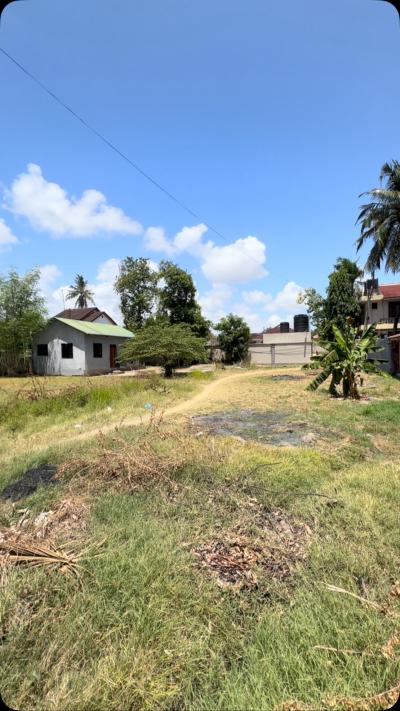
151, 629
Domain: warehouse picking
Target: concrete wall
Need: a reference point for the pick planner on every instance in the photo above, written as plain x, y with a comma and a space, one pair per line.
54, 335
385, 354
101, 365
380, 314
283, 349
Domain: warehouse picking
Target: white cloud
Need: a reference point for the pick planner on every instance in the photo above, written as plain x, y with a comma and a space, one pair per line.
49, 273
48, 208
214, 303
157, 241
108, 270
7, 238
189, 239
252, 318
234, 263
287, 298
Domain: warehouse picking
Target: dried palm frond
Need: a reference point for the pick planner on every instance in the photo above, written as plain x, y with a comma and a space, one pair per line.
17, 551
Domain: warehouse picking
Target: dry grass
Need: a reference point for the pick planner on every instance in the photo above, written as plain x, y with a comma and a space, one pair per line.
156, 456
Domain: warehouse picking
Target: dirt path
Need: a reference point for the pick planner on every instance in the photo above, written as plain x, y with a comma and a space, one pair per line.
189, 405
207, 394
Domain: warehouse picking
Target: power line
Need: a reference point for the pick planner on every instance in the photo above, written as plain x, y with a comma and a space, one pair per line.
108, 143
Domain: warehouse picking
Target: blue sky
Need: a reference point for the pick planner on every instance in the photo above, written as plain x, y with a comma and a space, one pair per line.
266, 119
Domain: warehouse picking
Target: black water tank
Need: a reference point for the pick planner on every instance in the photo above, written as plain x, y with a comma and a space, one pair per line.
284, 327
301, 323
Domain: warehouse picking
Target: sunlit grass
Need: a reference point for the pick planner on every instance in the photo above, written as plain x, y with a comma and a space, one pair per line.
152, 629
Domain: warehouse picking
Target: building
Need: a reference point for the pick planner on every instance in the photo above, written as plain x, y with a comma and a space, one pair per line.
86, 344
282, 345
380, 304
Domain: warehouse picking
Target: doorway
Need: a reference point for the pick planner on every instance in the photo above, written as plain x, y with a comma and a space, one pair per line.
113, 355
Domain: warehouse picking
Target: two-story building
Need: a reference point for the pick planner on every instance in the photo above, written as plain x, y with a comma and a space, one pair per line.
380, 304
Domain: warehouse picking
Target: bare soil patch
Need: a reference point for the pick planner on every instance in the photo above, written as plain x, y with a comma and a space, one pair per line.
267, 427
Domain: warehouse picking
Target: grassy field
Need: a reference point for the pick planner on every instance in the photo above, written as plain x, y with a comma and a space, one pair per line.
208, 562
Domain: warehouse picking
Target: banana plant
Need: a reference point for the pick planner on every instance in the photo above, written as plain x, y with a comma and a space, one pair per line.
344, 359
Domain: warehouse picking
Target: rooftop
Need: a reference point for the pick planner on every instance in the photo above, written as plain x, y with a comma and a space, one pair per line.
390, 291
96, 329
88, 314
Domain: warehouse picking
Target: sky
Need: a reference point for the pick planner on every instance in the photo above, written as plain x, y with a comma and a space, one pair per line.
267, 120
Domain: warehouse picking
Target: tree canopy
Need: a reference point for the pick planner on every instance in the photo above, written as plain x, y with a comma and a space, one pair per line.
167, 295
380, 221
137, 286
80, 291
233, 337
341, 305
170, 345
177, 299
22, 313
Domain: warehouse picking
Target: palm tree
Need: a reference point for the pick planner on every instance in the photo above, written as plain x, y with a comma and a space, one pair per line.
380, 221
79, 290
344, 359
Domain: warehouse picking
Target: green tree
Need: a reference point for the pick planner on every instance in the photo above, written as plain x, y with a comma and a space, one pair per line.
177, 299
344, 358
170, 345
341, 305
137, 287
22, 313
233, 337
380, 221
80, 291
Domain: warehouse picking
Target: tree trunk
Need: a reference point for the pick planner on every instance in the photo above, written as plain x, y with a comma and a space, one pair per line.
168, 370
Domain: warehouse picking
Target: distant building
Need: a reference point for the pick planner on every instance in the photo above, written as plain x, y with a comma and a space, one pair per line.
86, 342
380, 304
283, 348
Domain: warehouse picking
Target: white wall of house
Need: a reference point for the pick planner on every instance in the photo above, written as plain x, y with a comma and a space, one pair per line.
53, 364
100, 365
103, 319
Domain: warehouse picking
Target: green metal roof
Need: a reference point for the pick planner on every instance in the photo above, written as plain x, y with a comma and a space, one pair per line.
96, 329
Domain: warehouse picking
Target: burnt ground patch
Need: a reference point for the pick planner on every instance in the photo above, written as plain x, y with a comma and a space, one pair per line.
267, 427
29, 482
289, 378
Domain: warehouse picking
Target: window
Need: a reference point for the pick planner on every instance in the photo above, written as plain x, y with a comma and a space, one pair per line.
42, 349
394, 309
97, 350
67, 350
374, 306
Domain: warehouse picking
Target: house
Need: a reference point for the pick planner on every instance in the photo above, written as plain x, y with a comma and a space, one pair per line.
84, 343
380, 304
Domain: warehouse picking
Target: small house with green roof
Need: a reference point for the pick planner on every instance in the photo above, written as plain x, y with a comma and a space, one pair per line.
87, 344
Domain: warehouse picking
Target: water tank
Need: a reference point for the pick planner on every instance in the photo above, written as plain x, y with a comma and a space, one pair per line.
301, 323
284, 327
